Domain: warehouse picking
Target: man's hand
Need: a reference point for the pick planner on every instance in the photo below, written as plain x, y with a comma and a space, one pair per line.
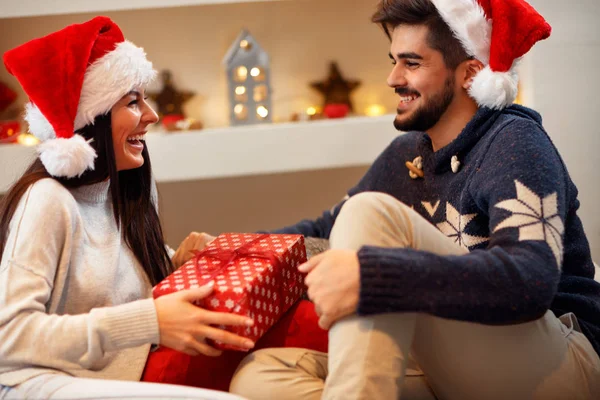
194, 241
333, 284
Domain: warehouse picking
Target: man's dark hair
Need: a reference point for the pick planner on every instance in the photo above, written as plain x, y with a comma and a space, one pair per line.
392, 13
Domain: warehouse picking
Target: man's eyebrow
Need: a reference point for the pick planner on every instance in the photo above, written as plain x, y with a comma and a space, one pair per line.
410, 55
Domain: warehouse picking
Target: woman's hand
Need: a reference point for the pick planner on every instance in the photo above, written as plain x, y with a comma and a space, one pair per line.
194, 241
184, 326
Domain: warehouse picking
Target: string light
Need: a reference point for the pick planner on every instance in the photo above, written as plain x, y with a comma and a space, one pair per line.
242, 73
262, 111
375, 110
27, 140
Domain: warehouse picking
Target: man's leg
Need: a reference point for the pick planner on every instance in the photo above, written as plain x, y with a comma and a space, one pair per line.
299, 374
368, 356
546, 359
282, 373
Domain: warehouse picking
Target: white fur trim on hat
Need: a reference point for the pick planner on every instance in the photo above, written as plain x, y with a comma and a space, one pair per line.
67, 158
38, 124
495, 90
111, 77
468, 22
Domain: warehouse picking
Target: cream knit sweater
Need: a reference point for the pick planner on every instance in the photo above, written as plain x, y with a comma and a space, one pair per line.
73, 297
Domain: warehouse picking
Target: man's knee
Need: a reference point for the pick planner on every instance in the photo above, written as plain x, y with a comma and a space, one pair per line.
254, 368
370, 202
273, 373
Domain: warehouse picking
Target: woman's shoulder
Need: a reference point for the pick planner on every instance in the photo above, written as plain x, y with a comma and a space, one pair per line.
48, 193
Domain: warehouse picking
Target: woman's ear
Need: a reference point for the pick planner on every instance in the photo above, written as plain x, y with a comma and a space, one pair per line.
472, 68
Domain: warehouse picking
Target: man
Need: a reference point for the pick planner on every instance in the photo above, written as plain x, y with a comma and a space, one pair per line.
472, 259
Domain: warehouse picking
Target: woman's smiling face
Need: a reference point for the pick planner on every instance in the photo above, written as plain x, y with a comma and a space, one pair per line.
130, 118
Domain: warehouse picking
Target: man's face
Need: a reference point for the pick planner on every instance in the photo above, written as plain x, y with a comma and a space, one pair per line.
420, 78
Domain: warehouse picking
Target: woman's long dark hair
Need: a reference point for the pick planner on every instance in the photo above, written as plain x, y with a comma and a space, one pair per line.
133, 205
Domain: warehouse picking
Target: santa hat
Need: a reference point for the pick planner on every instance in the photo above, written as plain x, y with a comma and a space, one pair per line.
72, 76
497, 33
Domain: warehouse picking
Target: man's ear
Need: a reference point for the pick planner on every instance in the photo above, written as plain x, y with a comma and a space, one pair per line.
470, 69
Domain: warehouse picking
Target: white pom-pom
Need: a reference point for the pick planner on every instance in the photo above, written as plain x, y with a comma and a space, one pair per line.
38, 124
68, 158
495, 90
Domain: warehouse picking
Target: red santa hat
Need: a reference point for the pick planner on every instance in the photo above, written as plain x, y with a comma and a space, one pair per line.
72, 76
497, 33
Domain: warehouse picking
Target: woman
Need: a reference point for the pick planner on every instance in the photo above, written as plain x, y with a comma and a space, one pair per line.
80, 238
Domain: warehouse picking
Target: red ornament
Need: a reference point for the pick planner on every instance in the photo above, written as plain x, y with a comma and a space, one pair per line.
9, 131
336, 110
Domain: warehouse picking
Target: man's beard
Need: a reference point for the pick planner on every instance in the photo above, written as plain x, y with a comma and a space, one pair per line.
426, 116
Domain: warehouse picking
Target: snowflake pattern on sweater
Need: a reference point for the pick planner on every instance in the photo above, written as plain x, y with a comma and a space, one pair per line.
536, 218
455, 225
501, 190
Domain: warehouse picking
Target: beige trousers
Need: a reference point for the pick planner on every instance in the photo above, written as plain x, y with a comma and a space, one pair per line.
372, 357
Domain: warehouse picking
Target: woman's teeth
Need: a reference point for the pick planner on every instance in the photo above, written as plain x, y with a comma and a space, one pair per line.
136, 138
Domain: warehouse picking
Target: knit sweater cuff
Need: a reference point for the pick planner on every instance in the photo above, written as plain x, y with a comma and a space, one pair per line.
131, 324
379, 291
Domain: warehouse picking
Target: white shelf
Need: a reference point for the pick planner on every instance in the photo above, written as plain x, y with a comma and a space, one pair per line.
30, 8
250, 150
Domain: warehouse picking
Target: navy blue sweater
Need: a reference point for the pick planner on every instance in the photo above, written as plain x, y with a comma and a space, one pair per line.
512, 204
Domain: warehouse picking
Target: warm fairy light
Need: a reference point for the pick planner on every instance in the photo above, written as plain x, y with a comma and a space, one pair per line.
255, 72
240, 90
311, 111
27, 140
262, 111
244, 44
241, 112
375, 110
241, 73
260, 93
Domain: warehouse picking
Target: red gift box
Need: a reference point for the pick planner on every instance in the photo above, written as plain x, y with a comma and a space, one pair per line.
254, 275
298, 327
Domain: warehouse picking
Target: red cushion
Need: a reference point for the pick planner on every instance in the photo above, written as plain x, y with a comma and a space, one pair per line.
297, 328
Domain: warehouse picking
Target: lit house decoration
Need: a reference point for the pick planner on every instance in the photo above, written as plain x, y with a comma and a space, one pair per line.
248, 76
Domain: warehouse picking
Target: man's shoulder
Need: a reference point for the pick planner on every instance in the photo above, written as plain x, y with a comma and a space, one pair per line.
518, 142
521, 133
